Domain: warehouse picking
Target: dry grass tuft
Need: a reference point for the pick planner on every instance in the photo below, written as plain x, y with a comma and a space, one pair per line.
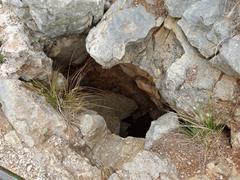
201, 125
69, 98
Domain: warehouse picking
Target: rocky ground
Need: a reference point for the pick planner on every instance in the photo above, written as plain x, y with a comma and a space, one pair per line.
143, 67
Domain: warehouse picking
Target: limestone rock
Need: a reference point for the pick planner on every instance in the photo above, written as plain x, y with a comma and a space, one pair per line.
93, 128
225, 89
221, 31
5, 126
165, 124
29, 114
176, 8
189, 80
114, 108
61, 162
22, 56
13, 139
122, 25
107, 149
113, 151
197, 22
56, 18
146, 166
81, 167
235, 138
68, 50
225, 168
228, 59
167, 47
115, 104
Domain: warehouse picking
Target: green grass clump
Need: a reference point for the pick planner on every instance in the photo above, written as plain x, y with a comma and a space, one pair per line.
201, 125
61, 98
69, 99
2, 60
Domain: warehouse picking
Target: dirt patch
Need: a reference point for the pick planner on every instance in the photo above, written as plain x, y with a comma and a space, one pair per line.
191, 158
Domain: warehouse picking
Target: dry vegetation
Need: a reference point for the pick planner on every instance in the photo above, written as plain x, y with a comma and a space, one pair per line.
202, 125
66, 95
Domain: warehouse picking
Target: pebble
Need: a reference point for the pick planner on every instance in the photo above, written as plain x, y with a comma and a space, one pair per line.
29, 167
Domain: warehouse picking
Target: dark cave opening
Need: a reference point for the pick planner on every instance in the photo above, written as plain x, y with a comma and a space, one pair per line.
132, 122
129, 100
127, 108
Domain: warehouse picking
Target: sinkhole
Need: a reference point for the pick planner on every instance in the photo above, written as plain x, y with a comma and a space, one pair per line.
129, 100
128, 104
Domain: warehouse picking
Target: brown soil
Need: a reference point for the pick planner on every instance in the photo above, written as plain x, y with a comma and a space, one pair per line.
191, 157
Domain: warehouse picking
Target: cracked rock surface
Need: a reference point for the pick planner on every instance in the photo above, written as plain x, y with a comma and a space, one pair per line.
176, 55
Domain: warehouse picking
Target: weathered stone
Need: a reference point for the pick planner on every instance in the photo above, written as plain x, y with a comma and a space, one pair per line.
148, 87
221, 31
29, 114
61, 162
237, 113
113, 151
56, 18
189, 80
225, 89
81, 167
115, 104
122, 25
146, 166
13, 139
176, 8
235, 138
197, 22
5, 126
69, 50
114, 108
23, 58
228, 58
107, 149
93, 128
226, 168
107, 4
161, 126
167, 46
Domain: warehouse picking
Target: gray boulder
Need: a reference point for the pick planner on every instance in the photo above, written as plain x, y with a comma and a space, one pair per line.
228, 59
197, 22
176, 8
189, 80
124, 24
56, 18
146, 166
107, 149
114, 108
163, 125
113, 151
225, 88
59, 161
93, 128
33, 119
23, 57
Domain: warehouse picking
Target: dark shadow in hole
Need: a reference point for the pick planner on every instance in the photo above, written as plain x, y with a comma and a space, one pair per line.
135, 127
227, 134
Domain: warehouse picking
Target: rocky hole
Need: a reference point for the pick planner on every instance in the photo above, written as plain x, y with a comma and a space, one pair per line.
129, 100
